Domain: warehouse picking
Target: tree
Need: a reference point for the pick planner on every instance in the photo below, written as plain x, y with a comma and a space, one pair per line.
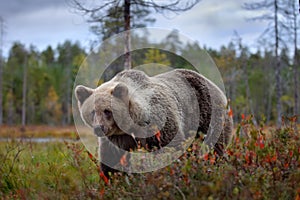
243, 62
292, 13
172, 42
24, 92
265, 64
1, 69
229, 68
29, 102
67, 52
155, 56
9, 107
274, 16
103, 13
48, 56
113, 23
14, 74
38, 85
53, 107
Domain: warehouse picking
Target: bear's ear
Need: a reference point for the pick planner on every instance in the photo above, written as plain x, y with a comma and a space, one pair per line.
82, 93
120, 91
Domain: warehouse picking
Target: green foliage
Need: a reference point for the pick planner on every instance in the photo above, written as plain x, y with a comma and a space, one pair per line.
248, 77
45, 72
113, 22
54, 112
54, 170
155, 56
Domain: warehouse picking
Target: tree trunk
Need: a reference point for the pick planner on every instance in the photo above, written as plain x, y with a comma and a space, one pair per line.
296, 77
24, 94
248, 93
69, 98
10, 108
269, 106
295, 69
296, 86
1, 91
1, 70
277, 68
127, 64
66, 119
66, 108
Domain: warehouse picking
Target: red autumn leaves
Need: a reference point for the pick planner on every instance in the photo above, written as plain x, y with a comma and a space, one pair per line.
260, 142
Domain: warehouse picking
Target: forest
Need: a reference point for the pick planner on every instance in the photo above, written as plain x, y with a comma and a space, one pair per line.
43, 157
38, 85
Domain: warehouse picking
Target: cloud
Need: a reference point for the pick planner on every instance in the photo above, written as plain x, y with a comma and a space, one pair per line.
9, 9
43, 25
213, 22
49, 22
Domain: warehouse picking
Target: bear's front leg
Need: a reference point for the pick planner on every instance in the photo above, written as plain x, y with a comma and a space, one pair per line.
112, 149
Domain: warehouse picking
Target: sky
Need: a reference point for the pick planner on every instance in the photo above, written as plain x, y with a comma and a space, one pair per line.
50, 22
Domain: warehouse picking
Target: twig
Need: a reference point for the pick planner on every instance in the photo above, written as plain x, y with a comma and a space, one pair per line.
179, 190
14, 161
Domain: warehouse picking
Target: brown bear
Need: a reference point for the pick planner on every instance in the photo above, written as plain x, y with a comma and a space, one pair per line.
130, 109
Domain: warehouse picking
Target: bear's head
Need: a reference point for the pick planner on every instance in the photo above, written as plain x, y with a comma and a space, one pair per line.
95, 106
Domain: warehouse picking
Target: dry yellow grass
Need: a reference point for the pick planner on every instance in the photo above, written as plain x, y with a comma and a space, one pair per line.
37, 131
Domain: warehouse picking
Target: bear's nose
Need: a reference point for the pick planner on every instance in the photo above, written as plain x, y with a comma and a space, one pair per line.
102, 128
99, 130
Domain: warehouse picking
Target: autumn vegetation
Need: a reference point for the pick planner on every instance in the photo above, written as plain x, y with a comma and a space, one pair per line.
248, 78
260, 163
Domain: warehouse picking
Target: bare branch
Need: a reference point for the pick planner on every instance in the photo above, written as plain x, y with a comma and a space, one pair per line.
175, 6
265, 17
258, 5
114, 16
80, 6
14, 160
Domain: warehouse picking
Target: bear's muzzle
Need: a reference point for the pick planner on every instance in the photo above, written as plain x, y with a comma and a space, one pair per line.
100, 130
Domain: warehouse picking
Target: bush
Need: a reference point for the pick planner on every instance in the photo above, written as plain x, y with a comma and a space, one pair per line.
261, 163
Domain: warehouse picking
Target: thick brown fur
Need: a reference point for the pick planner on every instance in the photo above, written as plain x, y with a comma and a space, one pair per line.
172, 98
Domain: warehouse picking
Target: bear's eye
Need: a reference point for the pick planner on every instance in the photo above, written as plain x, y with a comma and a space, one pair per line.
107, 113
93, 113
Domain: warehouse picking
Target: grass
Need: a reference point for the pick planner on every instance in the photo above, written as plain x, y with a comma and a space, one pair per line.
40, 131
264, 164
50, 171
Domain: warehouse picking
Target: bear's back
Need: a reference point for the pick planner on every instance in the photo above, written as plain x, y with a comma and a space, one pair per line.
184, 86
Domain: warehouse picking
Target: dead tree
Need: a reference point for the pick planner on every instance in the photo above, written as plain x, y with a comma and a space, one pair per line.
103, 12
1, 69
292, 13
274, 29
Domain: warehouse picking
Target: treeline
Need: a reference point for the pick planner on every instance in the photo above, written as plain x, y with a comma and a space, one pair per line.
37, 86
249, 79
